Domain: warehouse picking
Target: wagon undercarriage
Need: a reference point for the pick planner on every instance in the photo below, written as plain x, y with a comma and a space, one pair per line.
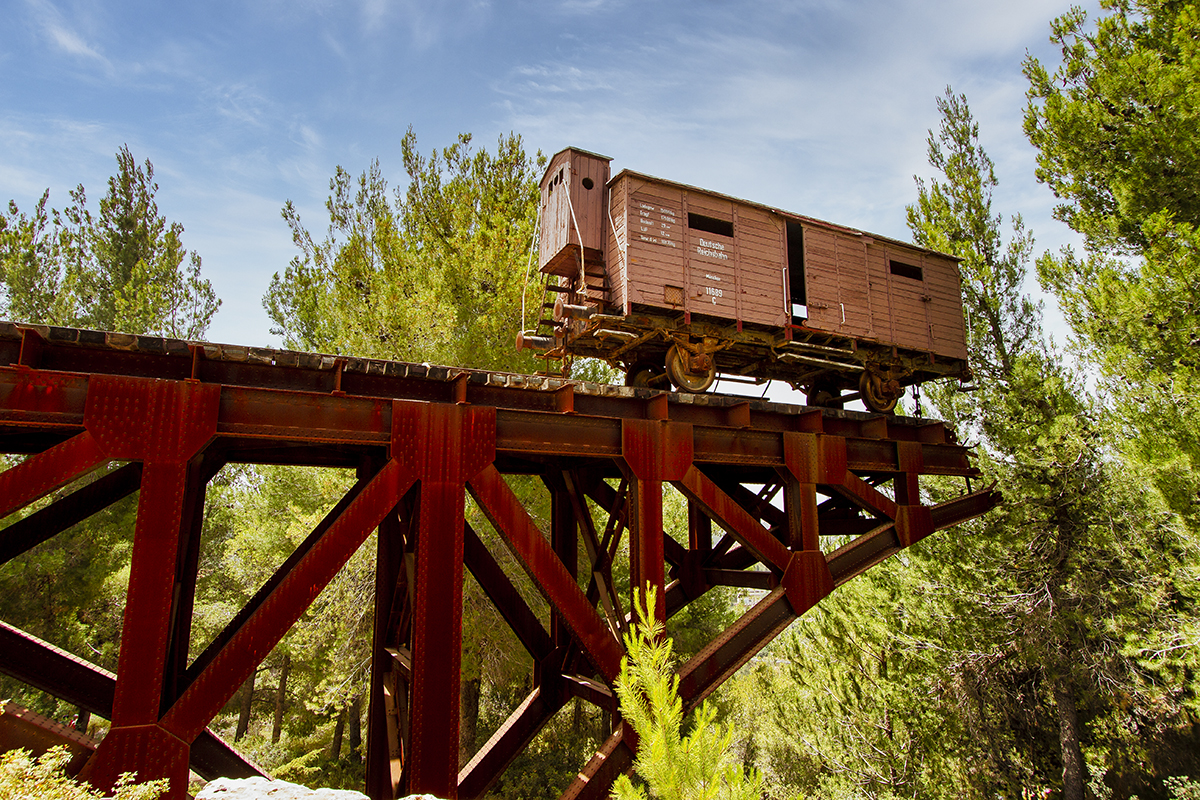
665, 351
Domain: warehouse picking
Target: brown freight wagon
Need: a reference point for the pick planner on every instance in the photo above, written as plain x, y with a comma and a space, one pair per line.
675, 285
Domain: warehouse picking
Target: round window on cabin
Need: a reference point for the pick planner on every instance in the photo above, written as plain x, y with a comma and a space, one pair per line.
587, 183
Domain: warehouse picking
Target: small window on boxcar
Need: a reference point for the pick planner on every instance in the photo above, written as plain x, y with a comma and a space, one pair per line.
906, 270
587, 183
699, 222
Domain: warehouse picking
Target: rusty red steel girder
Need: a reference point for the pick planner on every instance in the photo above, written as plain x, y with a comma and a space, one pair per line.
161, 417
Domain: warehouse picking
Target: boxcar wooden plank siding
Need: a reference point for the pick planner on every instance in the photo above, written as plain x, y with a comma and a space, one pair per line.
881, 287
571, 216
674, 254
554, 230
821, 274
701, 203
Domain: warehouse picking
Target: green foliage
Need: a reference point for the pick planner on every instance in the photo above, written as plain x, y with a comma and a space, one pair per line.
849, 702
698, 766
1131, 86
36, 259
551, 761
954, 215
70, 591
1115, 125
255, 519
22, 776
120, 270
1045, 647
1182, 788
433, 275
1078, 585
1116, 128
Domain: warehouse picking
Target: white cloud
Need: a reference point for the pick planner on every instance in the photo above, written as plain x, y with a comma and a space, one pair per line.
373, 12
241, 102
819, 108
558, 79
428, 23
59, 31
585, 6
71, 42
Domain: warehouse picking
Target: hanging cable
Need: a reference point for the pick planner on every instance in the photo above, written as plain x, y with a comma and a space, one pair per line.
533, 243
622, 247
582, 264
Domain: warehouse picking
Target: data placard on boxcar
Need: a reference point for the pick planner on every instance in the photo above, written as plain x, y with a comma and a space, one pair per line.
653, 222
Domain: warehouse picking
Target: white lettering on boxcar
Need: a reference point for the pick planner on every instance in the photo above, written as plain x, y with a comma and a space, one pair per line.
655, 224
704, 251
716, 278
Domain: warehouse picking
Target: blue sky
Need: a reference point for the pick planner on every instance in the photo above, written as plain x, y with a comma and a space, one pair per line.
818, 106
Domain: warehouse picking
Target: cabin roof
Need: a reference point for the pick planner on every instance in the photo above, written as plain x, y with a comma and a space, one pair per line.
772, 209
554, 158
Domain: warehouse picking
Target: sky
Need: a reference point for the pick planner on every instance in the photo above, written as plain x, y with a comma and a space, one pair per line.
820, 107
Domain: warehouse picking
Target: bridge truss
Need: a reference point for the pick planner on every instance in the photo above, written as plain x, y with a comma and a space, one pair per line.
102, 416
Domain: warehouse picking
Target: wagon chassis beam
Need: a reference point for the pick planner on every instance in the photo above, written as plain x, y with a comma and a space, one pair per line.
102, 415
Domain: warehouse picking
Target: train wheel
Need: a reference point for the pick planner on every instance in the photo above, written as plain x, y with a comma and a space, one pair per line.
644, 374
879, 396
687, 381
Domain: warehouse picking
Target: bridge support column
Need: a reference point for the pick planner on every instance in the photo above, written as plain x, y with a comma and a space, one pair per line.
652, 451
444, 446
165, 425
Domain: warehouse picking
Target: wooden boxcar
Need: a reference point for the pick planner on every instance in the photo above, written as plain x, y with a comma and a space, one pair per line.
675, 285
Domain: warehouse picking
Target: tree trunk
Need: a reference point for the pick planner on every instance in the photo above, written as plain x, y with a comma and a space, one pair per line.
335, 747
468, 719
82, 719
355, 723
280, 696
1074, 769
243, 723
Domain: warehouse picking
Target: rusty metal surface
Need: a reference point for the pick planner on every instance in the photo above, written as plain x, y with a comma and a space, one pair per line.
22, 728
767, 485
66, 676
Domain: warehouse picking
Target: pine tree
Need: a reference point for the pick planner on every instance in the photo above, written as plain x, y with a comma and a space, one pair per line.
1071, 581
698, 766
122, 270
